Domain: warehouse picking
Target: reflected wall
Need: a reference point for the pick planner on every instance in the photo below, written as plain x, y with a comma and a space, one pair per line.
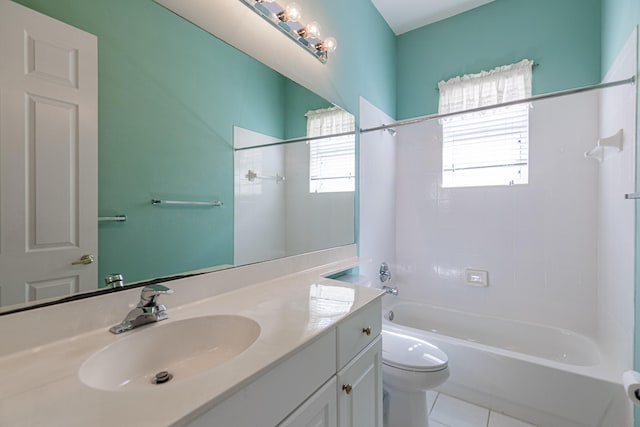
170, 95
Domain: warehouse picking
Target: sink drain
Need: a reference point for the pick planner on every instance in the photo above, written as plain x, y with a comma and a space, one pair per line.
162, 377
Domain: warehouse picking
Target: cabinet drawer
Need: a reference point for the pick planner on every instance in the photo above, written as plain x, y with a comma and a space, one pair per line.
358, 331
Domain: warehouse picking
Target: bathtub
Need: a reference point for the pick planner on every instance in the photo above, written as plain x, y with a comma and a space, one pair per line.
547, 376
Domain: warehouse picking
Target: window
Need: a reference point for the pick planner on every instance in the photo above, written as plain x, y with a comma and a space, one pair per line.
490, 147
332, 161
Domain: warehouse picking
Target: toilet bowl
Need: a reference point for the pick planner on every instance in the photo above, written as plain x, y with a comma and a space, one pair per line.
410, 367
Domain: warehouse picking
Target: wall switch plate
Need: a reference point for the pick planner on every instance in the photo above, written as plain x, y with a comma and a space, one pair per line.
476, 277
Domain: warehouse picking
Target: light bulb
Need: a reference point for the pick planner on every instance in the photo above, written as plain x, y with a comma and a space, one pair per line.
312, 29
328, 45
292, 12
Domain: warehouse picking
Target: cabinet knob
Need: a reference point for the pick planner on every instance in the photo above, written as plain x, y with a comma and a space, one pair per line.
347, 388
366, 331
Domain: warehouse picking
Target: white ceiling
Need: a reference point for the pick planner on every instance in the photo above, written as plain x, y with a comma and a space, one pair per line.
407, 15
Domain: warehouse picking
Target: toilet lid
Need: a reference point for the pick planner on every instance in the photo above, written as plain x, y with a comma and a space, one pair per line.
411, 354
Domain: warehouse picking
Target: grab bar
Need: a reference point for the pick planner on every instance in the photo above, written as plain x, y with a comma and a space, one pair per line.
186, 202
116, 218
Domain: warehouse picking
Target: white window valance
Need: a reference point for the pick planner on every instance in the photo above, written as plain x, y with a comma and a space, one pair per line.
502, 84
329, 121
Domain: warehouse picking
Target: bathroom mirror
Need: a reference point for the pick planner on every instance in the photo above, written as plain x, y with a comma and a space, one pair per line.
171, 97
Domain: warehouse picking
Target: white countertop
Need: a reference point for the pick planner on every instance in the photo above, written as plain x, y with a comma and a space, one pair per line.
41, 387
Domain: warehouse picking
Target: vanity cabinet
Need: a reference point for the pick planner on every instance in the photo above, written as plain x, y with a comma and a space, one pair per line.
319, 410
335, 381
360, 394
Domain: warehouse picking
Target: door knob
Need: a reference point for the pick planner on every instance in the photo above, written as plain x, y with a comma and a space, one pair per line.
84, 259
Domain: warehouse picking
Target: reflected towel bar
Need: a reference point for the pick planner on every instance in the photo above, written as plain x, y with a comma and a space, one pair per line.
185, 203
116, 218
252, 175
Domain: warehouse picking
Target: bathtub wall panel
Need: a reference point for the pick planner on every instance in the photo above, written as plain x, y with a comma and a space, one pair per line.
537, 241
616, 223
377, 193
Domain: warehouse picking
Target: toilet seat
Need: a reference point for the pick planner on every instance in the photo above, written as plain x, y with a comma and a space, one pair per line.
411, 354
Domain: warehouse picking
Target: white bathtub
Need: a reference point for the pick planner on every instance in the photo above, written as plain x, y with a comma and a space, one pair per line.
548, 376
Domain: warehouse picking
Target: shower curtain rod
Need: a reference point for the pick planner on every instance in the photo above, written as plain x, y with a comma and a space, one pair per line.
300, 139
630, 80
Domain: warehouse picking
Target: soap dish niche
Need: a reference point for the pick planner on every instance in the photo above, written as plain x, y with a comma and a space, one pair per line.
613, 142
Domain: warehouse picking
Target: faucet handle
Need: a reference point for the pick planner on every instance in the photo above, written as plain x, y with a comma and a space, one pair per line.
385, 272
150, 294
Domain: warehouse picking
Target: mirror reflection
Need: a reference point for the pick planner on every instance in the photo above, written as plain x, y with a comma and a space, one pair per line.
172, 101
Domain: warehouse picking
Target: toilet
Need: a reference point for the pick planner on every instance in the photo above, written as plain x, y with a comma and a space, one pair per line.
410, 367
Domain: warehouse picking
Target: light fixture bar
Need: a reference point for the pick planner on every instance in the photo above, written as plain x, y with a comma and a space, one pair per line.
286, 19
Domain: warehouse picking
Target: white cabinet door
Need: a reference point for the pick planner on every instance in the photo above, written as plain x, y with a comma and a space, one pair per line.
320, 410
48, 156
360, 389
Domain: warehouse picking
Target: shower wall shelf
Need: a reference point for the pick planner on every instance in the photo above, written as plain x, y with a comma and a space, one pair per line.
253, 175
615, 141
115, 218
185, 203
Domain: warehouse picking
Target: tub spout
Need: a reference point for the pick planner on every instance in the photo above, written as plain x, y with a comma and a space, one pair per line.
390, 290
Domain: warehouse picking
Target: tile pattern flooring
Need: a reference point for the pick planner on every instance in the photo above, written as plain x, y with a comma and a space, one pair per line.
447, 411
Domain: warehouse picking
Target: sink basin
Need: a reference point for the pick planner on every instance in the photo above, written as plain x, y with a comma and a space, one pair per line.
183, 348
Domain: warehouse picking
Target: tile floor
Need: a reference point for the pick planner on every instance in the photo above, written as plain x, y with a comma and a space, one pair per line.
447, 411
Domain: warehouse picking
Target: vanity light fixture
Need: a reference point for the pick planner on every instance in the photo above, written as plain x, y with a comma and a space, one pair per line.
288, 20
291, 12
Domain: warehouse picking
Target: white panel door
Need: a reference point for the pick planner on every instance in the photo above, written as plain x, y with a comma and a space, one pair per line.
48, 156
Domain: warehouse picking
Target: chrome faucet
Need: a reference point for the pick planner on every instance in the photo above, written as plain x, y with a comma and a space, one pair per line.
114, 280
147, 311
385, 272
385, 275
390, 290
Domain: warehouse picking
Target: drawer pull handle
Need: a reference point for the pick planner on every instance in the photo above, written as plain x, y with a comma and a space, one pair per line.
347, 388
366, 331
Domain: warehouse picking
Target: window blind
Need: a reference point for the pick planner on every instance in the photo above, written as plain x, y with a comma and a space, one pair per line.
487, 148
331, 160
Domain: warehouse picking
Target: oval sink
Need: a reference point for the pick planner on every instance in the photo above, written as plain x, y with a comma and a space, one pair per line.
183, 348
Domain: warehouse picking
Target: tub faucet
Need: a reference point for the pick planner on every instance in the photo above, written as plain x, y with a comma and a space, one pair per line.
385, 272
147, 311
385, 275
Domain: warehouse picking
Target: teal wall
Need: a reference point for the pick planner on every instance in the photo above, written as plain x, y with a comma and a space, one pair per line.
169, 96
299, 101
619, 18
365, 62
562, 36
